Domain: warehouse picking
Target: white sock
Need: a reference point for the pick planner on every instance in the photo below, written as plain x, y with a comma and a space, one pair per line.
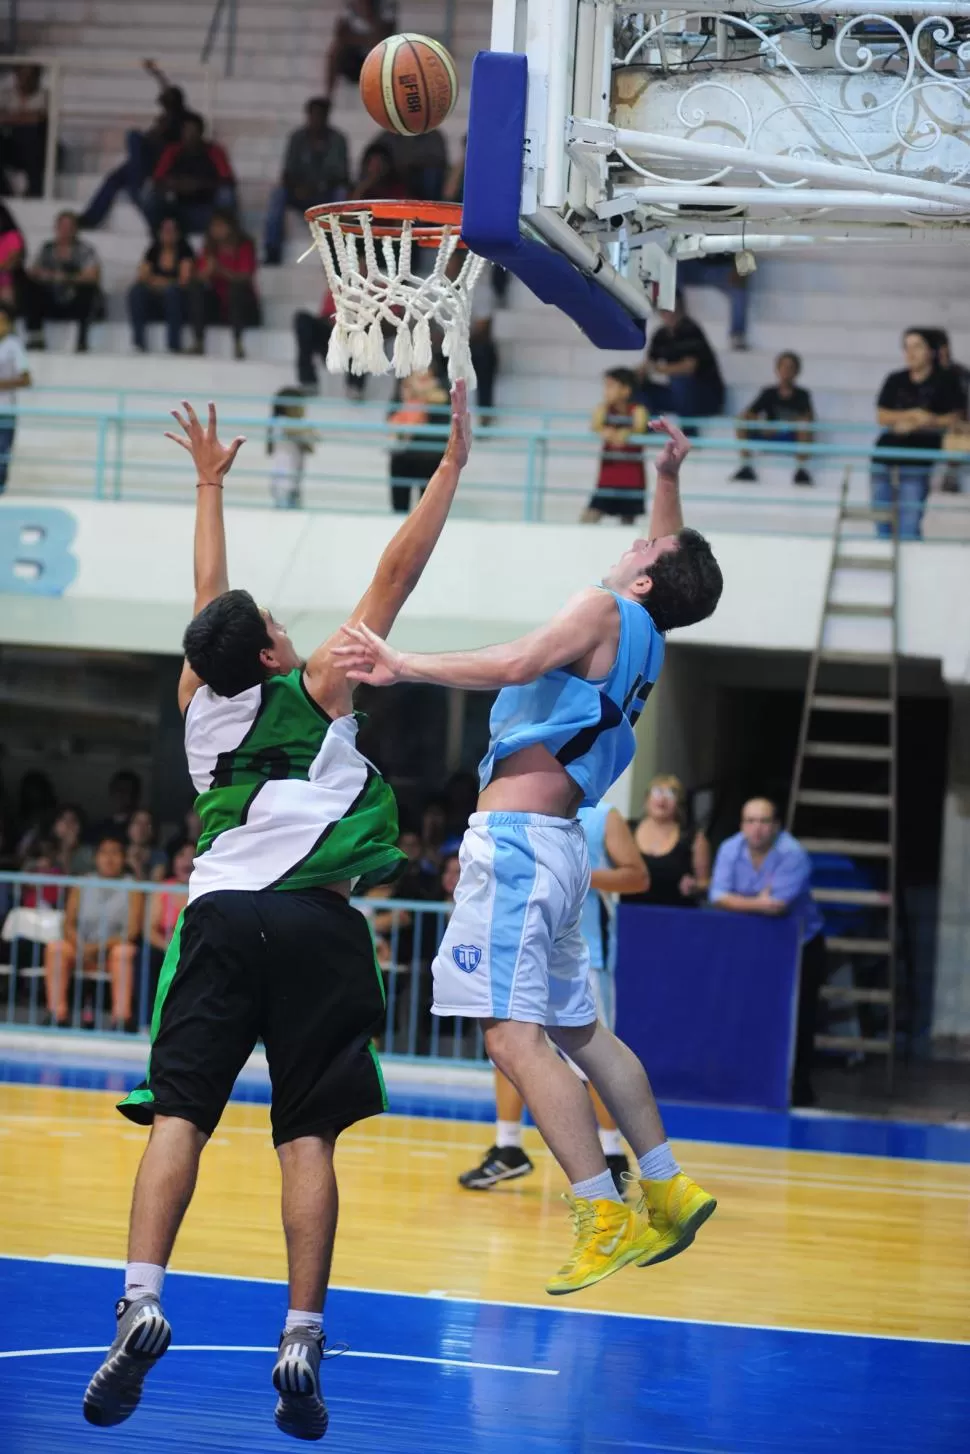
508, 1133
611, 1142
142, 1277
658, 1164
600, 1188
297, 1318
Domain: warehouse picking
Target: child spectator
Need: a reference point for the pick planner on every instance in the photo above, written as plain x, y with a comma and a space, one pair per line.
622, 482
14, 375
223, 290
289, 447
414, 459
67, 830
193, 178
159, 294
12, 252
64, 283
785, 403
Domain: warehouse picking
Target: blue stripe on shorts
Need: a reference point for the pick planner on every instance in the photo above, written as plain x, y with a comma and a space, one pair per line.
514, 871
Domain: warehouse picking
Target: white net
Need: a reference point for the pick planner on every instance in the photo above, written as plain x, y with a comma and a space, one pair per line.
379, 293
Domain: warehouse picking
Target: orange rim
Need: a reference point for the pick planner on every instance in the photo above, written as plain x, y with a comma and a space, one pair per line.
430, 220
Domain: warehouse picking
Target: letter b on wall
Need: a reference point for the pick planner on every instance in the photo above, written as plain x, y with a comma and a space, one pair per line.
35, 554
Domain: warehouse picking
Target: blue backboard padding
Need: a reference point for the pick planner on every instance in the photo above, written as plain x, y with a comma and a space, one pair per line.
493, 189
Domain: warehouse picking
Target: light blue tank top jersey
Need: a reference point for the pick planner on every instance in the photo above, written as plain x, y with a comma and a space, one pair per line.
586, 725
597, 915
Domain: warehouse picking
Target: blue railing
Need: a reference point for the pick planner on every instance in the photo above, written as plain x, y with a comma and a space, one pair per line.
108, 983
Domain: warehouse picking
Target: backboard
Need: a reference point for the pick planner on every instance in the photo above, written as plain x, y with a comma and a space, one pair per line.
606, 141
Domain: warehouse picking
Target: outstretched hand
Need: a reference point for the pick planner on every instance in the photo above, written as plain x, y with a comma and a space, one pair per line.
365, 657
460, 440
213, 460
674, 451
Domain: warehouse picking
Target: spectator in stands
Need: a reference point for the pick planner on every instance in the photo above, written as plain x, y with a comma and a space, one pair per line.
677, 860
289, 445
621, 485
720, 270
681, 374
785, 403
223, 289
35, 808
14, 375
915, 406
764, 870
313, 332
143, 860
161, 291
165, 910
315, 169
101, 926
23, 128
450, 874
64, 283
124, 796
13, 250
193, 177
360, 26
143, 150
72, 856
378, 175
957, 436
415, 456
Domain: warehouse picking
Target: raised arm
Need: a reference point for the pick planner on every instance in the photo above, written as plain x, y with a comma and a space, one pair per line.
627, 873
400, 567
667, 517
212, 461
586, 623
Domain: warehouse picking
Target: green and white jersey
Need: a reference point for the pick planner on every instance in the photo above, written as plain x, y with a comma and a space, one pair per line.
286, 799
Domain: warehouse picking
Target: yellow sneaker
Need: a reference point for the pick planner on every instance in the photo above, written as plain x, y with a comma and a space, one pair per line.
608, 1236
675, 1209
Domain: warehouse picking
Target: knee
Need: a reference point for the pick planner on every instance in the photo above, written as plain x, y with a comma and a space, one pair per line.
508, 1042
120, 957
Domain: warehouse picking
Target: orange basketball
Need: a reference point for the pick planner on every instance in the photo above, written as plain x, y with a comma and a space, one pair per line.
409, 84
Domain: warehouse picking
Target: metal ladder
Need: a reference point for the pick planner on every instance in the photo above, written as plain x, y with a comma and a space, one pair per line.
843, 798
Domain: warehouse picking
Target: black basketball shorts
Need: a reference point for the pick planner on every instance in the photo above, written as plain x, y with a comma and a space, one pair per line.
295, 969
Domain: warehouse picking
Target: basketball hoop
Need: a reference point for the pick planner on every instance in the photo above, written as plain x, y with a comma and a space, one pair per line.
367, 250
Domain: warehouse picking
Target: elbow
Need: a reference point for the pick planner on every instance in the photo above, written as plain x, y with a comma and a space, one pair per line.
639, 881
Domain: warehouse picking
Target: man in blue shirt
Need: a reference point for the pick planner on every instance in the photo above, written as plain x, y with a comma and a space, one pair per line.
764, 870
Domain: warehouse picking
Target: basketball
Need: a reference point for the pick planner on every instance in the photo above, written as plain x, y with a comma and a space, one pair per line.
409, 84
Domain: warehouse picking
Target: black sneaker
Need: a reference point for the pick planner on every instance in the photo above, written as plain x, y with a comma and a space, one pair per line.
745, 473
618, 1167
500, 1163
802, 477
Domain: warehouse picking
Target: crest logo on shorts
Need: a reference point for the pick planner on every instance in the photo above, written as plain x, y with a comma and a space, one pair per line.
467, 957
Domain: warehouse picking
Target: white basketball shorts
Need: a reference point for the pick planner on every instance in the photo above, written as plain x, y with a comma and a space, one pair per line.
513, 949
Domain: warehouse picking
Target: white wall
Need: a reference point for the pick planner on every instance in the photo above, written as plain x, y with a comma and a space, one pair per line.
488, 580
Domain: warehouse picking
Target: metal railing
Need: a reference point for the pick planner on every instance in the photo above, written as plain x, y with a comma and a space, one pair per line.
108, 984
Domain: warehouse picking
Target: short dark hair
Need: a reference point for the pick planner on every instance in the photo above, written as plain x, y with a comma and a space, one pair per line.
687, 583
626, 377
795, 358
111, 837
223, 642
193, 118
318, 103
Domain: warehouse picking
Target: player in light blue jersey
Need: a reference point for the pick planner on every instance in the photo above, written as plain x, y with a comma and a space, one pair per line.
513, 954
616, 867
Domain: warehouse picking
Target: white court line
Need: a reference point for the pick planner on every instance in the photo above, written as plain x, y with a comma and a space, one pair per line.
485, 1302
347, 1353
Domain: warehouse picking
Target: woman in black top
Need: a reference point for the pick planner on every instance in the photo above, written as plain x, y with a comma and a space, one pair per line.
678, 862
158, 295
914, 407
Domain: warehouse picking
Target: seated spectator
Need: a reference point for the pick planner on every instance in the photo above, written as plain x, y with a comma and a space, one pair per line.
223, 289
289, 445
681, 374
23, 128
143, 860
37, 918
13, 250
677, 860
785, 403
378, 175
101, 926
143, 150
720, 270
621, 485
415, 456
160, 293
315, 169
313, 332
193, 177
64, 283
14, 375
72, 856
124, 796
165, 910
360, 26
421, 163
764, 870
914, 408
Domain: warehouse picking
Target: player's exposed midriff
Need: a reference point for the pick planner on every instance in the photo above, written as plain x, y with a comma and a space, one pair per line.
531, 781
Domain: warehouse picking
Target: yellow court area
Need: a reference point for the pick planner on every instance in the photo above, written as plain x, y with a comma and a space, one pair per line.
800, 1239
